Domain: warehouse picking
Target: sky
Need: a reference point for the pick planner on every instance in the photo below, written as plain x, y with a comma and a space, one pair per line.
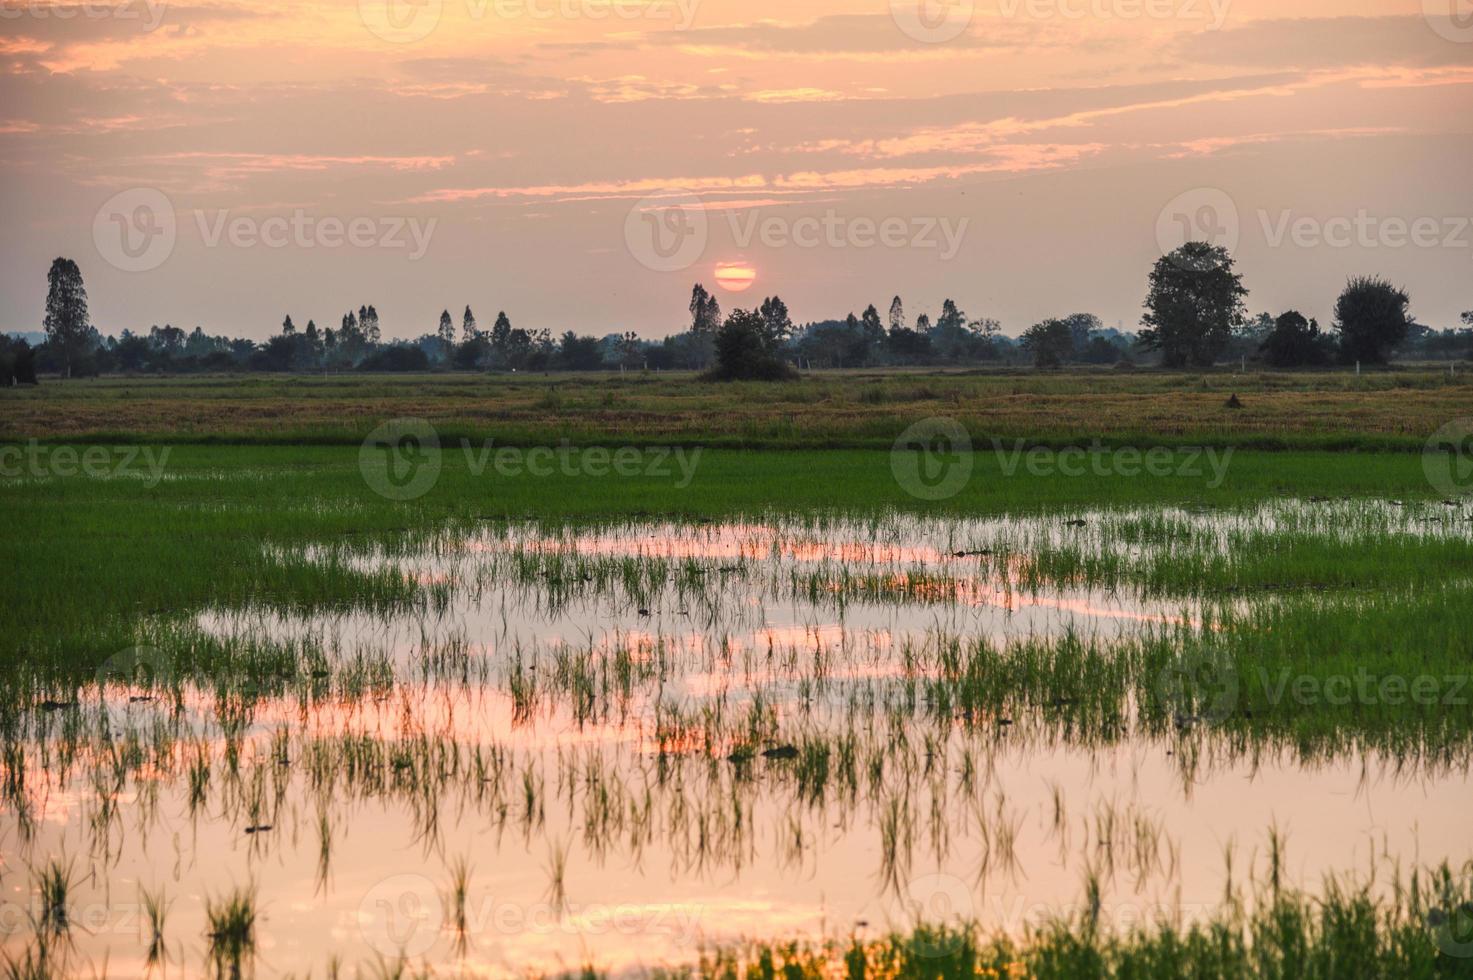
580, 164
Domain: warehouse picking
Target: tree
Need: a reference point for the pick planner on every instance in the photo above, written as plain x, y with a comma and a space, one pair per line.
501, 336
705, 320
1295, 342
68, 328
1468, 318
1195, 301
745, 349
1083, 327
629, 349
1051, 343
1371, 318
287, 327
580, 353
705, 312
468, 329
368, 325
17, 362
776, 322
446, 333
897, 314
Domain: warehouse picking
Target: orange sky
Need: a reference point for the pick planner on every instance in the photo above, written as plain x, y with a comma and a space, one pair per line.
225, 164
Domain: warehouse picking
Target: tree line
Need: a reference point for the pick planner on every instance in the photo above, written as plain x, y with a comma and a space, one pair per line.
1195, 316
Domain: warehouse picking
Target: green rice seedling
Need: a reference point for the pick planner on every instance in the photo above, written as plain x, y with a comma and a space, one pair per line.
455, 900
155, 910
231, 931
53, 884
557, 871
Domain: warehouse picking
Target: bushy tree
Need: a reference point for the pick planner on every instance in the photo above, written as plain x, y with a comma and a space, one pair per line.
17, 362
746, 349
1194, 303
1082, 328
1295, 342
1372, 319
580, 353
1051, 343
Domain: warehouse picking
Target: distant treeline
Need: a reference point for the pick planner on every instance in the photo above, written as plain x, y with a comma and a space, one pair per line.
1195, 316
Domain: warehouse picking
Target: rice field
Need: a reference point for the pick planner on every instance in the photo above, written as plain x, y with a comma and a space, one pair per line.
769, 715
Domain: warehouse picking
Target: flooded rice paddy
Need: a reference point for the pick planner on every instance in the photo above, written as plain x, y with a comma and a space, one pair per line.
622, 743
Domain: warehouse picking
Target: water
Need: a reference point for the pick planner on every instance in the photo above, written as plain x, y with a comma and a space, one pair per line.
648, 737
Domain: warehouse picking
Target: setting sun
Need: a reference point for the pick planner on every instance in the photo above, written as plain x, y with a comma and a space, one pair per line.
735, 277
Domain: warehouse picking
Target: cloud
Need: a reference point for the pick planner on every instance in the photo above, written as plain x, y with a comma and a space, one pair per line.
1323, 42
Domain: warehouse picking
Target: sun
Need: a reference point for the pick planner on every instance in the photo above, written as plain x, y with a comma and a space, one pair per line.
735, 277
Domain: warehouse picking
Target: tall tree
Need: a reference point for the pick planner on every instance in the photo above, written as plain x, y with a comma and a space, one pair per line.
779, 325
705, 311
468, 329
951, 318
1195, 301
446, 332
369, 325
897, 314
288, 327
1371, 317
68, 327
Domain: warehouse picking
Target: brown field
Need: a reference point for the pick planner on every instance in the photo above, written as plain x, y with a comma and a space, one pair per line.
1389, 409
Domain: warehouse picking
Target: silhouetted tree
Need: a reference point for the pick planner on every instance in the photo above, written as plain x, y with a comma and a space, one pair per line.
1371, 317
446, 334
1082, 327
1195, 301
1295, 342
17, 362
579, 353
368, 325
501, 337
1051, 343
68, 328
468, 329
705, 320
776, 321
897, 314
745, 349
